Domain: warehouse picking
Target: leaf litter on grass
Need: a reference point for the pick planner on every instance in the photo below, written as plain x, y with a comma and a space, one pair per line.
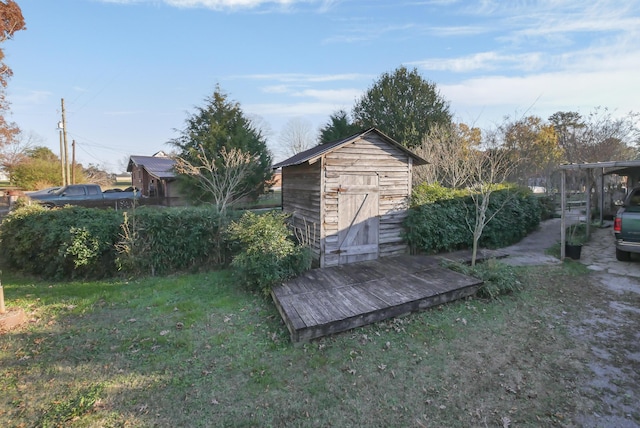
514, 361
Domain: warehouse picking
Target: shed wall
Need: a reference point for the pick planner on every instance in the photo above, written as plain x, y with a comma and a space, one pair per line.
301, 198
311, 192
393, 167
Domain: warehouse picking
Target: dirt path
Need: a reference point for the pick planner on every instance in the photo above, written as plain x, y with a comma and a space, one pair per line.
608, 324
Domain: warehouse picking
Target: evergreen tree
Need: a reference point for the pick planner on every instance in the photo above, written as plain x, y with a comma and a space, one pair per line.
403, 105
338, 127
222, 124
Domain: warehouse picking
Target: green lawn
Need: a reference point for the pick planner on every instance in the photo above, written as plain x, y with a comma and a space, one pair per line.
196, 350
268, 200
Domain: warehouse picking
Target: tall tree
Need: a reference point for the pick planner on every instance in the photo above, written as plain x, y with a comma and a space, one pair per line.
447, 149
40, 169
568, 126
338, 127
598, 137
221, 124
403, 105
42, 153
296, 136
11, 21
16, 151
534, 144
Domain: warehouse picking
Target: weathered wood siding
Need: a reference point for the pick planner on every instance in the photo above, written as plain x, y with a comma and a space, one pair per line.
326, 301
393, 168
301, 198
312, 193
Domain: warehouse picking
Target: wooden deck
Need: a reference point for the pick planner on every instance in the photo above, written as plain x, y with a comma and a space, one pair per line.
330, 300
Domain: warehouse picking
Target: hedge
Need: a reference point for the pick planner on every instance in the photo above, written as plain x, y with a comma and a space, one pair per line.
78, 242
439, 218
90, 243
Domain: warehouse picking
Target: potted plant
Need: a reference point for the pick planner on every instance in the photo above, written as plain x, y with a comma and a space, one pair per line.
573, 245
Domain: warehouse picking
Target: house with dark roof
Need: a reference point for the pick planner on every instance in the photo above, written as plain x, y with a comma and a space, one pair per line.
155, 177
349, 198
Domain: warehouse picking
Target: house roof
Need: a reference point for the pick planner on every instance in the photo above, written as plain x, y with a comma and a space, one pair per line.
316, 152
159, 167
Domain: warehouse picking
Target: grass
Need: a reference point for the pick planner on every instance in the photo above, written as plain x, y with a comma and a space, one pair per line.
268, 200
196, 350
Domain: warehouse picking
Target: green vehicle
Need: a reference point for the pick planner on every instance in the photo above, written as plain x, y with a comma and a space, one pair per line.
626, 226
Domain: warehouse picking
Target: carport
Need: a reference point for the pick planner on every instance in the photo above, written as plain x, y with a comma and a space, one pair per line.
630, 169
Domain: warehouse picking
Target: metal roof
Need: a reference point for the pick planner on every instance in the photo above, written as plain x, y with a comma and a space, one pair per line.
318, 151
619, 167
159, 167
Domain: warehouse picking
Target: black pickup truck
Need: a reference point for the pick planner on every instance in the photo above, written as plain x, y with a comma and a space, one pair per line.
626, 226
87, 195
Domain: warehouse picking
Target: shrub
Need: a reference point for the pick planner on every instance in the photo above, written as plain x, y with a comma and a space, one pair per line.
158, 241
519, 215
62, 243
439, 218
267, 253
547, 206
499, 278
425, 193
438, 226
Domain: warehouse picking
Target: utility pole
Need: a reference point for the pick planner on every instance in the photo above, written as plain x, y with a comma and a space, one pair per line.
64, 176
66, 147
73, 162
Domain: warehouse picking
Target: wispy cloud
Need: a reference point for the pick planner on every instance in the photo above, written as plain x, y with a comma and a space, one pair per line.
366, 31
541, 94
304, 78
230, 5
293, 110
31, 97
457, 31
124, 112
483, 61
339, 96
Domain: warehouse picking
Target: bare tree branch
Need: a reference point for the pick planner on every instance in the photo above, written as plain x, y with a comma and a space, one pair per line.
223, 182
486, 169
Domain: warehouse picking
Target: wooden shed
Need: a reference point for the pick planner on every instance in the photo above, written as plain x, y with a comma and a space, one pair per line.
349, 198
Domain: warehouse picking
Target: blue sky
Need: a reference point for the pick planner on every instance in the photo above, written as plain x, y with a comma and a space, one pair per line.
130, 71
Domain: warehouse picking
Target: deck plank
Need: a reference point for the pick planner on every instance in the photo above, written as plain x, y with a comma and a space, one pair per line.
331, 300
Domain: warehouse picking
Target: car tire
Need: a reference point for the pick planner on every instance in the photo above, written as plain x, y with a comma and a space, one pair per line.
623, 256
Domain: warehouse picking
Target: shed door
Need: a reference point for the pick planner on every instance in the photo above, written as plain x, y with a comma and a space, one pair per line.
358, 223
